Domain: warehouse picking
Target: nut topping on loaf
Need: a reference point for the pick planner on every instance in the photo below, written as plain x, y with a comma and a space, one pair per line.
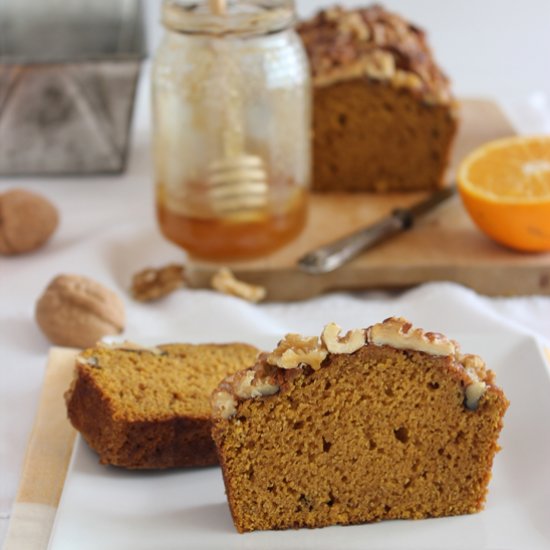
371, 41
258, 381
349, 343
399, 333
295, 351
224, 405
90, 361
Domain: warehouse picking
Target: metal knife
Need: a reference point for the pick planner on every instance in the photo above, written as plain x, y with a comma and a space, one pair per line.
333, 255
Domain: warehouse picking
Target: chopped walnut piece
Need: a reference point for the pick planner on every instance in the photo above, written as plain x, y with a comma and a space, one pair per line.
333, 13
350, 342
295, 350
352, 23
399, 333
88, 361
380, 65
224, 281
405, 79
340, 44
474, 365
247, 384
224, 404
474, 392
154, 283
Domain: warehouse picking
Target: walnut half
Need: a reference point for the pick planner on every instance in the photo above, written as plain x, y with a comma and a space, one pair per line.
295, 350
76, 311
350, 342
27, 221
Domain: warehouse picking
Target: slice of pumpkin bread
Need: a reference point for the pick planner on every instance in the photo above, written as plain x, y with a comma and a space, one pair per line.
150, 407
383, 423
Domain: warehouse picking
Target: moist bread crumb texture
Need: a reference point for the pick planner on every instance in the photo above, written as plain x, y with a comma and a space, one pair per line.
150, 407
384, 118
382, 432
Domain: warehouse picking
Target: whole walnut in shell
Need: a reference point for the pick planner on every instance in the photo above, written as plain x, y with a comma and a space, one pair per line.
76, 311
27, 221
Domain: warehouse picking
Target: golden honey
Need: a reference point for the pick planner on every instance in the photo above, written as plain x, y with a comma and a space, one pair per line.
239, 238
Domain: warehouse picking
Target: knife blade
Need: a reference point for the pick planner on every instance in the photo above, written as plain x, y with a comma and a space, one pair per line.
335, 254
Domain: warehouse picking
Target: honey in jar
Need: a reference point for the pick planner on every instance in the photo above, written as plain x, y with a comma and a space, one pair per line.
231, 103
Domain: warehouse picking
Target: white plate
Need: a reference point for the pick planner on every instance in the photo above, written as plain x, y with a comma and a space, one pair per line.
108, 508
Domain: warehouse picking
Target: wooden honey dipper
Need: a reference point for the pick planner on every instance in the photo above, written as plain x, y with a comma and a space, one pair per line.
237, 182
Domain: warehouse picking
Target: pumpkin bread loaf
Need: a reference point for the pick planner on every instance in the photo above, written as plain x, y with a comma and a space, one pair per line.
150, 407
384, 118
384, 423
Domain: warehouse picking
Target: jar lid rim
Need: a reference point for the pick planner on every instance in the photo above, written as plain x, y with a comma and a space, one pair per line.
245, 18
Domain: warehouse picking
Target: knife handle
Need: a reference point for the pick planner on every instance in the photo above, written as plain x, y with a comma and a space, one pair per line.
332, 256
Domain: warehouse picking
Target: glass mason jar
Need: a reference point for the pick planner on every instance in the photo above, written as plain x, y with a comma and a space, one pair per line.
232, 114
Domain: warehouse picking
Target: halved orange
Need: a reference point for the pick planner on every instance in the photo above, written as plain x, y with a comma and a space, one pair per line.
505, 187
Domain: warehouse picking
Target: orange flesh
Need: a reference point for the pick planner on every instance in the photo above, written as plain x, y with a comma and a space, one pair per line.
505, 186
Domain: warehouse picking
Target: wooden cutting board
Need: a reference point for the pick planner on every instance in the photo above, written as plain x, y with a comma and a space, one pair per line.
443, 246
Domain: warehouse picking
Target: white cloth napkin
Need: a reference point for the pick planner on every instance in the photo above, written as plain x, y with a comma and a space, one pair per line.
204, 316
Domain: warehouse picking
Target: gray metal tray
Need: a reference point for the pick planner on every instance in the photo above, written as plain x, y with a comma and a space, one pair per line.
68, 74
